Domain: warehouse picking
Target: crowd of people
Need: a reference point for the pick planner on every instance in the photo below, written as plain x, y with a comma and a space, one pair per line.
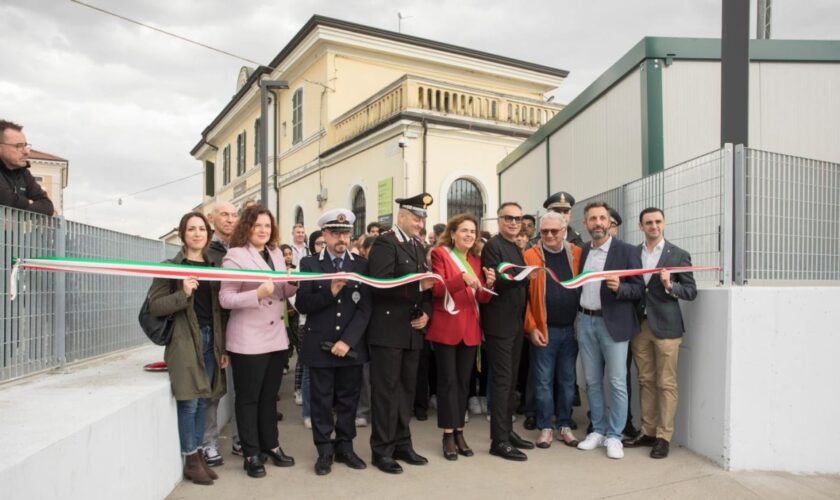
381, 356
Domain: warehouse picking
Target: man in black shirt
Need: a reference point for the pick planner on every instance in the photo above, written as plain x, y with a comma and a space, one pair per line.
501, 321
18, 189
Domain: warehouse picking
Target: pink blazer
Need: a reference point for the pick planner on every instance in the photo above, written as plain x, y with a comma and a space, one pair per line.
255, 326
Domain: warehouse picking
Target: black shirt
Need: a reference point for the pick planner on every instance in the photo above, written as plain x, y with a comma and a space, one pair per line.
202, 302
560, 303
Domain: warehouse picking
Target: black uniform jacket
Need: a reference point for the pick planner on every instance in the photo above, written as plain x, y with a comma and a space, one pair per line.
393, 255
332, 318
504, 314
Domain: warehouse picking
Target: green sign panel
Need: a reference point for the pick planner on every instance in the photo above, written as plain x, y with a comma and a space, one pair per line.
386, 196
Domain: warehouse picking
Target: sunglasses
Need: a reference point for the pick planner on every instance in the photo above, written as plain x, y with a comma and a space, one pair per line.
553, 232
516, 219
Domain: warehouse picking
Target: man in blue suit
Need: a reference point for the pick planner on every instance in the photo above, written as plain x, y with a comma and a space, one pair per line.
605, 323
333, 345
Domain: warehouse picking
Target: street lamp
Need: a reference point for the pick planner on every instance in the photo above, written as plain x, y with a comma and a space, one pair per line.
266, 86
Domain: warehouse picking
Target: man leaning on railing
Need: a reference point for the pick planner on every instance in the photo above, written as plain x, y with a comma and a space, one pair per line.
18, 188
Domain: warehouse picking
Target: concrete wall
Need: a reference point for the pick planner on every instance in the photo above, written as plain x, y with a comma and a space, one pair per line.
104, 429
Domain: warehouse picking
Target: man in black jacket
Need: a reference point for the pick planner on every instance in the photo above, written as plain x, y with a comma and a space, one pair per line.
333, 347
18, 188
395, 334
502, 323
657, 347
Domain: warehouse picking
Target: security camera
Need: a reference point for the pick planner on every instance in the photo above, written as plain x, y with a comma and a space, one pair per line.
403, 142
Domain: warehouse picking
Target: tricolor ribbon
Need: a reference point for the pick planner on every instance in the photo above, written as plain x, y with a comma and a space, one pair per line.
589, 276
204, 273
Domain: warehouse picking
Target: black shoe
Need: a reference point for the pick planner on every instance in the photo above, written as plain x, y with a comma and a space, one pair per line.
507, 451
279, 458
660, 449
279, 416
350, 459
640, 440
409, 456
421, 415
631, 431
516, 440
387, 464
530, 423
323, 465
461, 444
254, 466
450, 451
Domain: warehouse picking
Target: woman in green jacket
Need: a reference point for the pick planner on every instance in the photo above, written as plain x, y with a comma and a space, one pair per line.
195, 356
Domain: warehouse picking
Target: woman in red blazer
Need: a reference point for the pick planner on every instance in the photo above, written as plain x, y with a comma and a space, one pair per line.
455, 337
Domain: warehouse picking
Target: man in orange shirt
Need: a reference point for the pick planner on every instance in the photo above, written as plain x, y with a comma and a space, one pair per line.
549, 323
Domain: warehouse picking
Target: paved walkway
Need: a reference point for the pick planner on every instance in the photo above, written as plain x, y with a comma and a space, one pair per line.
553, 473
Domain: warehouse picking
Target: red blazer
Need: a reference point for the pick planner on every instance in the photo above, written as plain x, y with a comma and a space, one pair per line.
445, 328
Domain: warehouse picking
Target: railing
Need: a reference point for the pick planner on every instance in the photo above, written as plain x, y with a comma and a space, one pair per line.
762, 217
424, 95
58, 317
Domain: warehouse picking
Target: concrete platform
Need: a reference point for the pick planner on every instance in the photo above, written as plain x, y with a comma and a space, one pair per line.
553, 473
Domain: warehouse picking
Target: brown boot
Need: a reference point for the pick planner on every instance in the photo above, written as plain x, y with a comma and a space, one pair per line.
194, 471
207, 468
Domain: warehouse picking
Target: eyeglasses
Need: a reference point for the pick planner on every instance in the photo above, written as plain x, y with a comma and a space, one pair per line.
553, 232
320, 243
516, 219
20, 146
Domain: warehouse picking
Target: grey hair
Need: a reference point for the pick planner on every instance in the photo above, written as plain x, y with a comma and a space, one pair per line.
555, 216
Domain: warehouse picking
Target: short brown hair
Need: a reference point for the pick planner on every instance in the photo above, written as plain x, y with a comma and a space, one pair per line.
182, 230
445, 239
4, 124
242, 231
595, 204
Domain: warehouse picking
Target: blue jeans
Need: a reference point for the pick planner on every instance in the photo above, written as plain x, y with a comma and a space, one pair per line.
191, 412
304, 392
599, 351
553, 368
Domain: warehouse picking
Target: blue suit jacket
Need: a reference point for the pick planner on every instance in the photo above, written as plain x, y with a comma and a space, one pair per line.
619, 308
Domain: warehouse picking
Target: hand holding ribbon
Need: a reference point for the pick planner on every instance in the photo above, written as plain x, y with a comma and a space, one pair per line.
504, 268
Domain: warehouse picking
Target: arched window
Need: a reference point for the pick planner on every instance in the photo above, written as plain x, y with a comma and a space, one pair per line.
464, 196
359, 211
298, 215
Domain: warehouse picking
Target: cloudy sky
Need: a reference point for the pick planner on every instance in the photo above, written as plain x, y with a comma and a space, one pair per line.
126, 104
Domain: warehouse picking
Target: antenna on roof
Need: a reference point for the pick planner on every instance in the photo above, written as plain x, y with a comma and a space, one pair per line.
400, 17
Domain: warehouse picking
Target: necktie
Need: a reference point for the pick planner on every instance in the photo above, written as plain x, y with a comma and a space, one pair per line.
337, 263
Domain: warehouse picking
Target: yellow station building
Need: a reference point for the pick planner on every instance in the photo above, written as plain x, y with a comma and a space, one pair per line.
371, 115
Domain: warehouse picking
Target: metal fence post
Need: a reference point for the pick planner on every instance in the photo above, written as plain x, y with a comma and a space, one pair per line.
726, 220
739, 209
162, 250
60, 294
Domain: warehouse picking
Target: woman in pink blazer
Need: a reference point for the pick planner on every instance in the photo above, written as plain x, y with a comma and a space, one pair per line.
257, 341
455, 337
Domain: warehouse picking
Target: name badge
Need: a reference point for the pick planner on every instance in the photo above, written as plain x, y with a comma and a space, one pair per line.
356, 297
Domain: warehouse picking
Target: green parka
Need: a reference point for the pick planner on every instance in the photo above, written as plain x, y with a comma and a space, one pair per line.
183, 354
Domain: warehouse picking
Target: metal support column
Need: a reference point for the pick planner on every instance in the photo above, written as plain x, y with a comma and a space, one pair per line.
739, 229
59, 326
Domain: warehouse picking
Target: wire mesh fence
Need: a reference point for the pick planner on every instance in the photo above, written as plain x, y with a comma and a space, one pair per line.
59, 317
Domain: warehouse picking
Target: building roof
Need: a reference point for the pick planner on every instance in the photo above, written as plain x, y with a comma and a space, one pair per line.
317, 20
34, 154
670, 49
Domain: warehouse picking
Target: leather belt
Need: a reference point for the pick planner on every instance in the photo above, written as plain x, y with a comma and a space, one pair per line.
590, 312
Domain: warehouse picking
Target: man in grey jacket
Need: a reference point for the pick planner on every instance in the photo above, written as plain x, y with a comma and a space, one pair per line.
657, 347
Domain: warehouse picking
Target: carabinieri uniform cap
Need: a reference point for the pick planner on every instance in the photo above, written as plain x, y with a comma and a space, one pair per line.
615, 217
416, 204
337, 219
558, 200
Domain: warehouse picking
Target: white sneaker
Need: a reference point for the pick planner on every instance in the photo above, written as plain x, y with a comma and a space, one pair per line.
433, 402
614, 448
593, 440
212, 456
307, 422
474, 405
483, 402
361, 422
298, 397
466, 417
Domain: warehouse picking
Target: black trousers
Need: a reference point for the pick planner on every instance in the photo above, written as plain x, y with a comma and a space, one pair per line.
503, 354
454, 367
334, 389
426, 378
393, 378
256, 379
